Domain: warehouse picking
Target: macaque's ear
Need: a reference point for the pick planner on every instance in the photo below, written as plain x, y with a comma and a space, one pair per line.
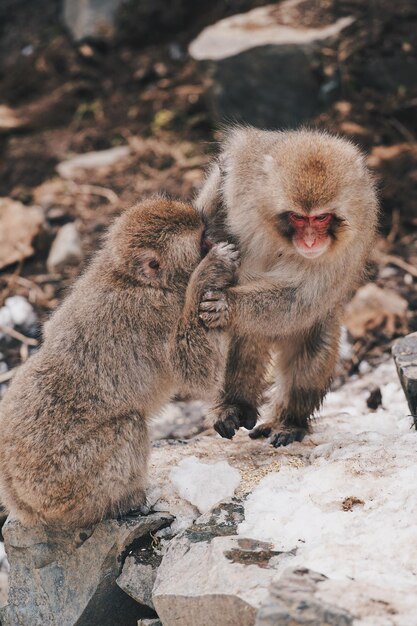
149, 263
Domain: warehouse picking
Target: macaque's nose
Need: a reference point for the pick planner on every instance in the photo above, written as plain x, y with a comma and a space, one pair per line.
309, 237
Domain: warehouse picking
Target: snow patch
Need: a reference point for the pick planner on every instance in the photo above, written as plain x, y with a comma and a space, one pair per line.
204, 484
350, 509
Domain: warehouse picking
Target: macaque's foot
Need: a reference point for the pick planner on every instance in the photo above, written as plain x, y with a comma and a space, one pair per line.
278, 438
235, 416
286, 437
214, 310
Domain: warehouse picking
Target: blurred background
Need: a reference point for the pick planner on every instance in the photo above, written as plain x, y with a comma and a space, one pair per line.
104, 101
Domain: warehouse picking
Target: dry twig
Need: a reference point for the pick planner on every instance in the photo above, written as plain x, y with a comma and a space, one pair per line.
11, 332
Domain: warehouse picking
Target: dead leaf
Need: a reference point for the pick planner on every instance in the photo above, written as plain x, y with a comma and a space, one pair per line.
375, 308
19, 225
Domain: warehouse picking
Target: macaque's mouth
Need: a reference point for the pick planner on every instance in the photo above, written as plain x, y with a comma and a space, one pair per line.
314, 252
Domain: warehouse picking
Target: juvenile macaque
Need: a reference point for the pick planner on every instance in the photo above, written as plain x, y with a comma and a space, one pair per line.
74, 438
301, 206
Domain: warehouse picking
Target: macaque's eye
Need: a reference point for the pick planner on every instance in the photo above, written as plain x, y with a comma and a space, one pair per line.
154, 264
323, 218
296, 219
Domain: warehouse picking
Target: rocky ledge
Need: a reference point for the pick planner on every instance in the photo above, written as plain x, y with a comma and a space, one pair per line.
320, 532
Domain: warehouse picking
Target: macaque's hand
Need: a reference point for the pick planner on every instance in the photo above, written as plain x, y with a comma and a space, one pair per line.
214, 309
222, 263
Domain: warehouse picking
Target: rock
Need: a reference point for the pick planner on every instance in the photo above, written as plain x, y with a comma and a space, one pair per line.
21, 311
92, 160
266, 68
231, 585
17, 311
293, 601
149, 622
19, 224
68, 578
405, 356
373, 308
139, 573
65, 250
90, 18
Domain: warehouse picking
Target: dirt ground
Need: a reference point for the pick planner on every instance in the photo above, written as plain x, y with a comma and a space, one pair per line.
74, 98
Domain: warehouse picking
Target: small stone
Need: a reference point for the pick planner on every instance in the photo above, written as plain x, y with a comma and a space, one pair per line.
92, 160
89, 18
374, 400
405, 356
21, 311
149, 622
65, 250
138, 575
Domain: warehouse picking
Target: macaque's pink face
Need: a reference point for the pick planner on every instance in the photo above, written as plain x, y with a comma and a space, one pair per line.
311, 236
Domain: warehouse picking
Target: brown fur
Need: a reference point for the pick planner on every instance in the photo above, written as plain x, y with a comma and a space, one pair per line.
73, 424
284, 301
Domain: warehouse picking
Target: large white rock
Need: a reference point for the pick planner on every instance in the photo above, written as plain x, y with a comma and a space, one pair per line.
266, 68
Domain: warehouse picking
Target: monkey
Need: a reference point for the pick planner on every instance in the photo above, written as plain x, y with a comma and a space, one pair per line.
302, 208
75, 441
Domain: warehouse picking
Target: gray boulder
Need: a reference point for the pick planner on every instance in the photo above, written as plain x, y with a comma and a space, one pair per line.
68, 578
262, 71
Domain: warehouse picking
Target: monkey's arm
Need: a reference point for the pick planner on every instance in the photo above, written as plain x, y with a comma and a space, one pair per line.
263, 308
199, 353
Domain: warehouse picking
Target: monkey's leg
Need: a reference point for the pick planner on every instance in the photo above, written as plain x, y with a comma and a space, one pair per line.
305, 366
245, 381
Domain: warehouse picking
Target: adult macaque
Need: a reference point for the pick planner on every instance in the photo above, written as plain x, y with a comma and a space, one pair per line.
74, 438
302, 208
